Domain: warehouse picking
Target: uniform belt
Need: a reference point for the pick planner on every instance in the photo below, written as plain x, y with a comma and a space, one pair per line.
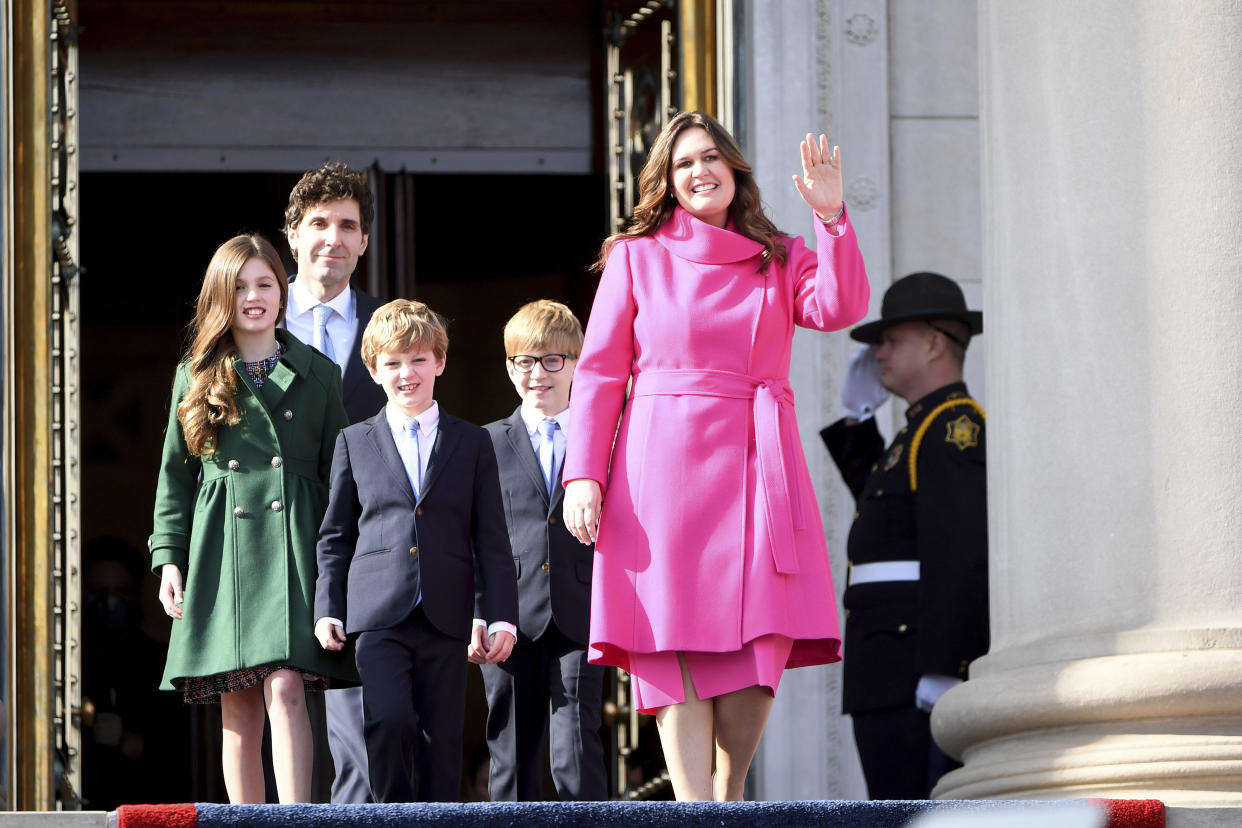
775, 435
871, 573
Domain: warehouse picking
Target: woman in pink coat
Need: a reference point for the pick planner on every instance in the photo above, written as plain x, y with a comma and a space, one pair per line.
711, 574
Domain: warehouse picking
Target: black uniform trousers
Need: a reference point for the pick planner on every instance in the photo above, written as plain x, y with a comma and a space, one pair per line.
890, 742
546, 679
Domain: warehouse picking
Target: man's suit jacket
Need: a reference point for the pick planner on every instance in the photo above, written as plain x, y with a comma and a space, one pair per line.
362, 395
553, 568
379, 547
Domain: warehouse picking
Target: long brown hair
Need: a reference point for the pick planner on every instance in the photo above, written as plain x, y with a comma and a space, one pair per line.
657, 199
211, 400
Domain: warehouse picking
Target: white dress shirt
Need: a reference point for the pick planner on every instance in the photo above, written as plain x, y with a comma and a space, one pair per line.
341, 325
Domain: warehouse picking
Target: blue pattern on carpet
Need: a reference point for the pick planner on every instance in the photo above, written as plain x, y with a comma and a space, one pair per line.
591, 814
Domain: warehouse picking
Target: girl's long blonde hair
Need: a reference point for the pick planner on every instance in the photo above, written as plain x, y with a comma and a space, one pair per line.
211, 400
657, 199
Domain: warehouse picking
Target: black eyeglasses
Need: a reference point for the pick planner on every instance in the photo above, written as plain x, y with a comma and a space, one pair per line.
525, 363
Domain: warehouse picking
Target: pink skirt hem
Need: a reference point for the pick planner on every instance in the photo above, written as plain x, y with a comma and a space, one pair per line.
656, 677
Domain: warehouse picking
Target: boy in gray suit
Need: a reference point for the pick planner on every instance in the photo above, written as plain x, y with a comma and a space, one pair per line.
546, 686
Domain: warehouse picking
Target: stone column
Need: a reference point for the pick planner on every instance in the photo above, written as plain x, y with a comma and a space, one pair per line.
1112, 187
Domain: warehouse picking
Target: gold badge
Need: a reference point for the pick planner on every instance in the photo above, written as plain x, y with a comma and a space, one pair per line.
963, 433
894, 456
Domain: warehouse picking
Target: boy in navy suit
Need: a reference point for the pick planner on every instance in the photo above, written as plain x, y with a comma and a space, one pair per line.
413, 539
546, 687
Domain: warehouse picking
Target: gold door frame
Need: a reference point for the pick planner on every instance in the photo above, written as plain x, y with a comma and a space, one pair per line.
42, 690
696, 54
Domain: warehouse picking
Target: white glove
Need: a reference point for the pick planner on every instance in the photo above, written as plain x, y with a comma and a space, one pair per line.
861, 393
931, 687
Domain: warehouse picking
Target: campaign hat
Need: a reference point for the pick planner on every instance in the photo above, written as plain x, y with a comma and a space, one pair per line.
922, 295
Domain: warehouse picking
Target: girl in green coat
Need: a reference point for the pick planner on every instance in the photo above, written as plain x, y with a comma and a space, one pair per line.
242, 490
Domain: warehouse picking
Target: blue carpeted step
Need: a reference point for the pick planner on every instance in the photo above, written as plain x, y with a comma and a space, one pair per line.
593, 814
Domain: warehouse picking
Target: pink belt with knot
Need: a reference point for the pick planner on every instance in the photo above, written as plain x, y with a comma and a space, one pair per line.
774, 428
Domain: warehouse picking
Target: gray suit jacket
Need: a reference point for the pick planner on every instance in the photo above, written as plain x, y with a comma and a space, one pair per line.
553, 568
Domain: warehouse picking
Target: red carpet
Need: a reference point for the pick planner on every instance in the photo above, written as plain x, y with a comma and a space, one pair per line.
157, 816
1133, 813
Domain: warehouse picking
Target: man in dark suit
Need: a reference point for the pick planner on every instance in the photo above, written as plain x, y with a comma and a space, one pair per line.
412, 541
547, 687
328, 224
917, 595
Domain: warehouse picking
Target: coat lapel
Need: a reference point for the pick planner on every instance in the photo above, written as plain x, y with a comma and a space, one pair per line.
448, 435
385, 446
519, 441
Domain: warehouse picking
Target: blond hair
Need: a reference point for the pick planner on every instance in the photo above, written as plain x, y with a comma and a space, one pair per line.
543, 325
403, 325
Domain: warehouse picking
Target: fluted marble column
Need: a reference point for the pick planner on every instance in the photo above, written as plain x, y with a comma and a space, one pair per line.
1112, 185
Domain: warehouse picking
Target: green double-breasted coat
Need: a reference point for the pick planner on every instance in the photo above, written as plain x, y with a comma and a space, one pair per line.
244, 534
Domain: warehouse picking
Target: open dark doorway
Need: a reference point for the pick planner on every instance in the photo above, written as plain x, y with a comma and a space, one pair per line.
481, 246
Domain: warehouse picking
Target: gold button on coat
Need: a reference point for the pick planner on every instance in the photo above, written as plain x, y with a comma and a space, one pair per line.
552, 520
413, 550
544, 567
903, 628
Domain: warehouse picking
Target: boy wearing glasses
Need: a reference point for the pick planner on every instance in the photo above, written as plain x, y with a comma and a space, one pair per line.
546, 686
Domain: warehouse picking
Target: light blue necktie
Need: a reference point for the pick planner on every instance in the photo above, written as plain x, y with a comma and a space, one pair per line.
412, 457
547, 452
320, 338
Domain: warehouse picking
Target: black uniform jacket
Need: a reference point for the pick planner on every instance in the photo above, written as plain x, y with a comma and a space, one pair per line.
895, 631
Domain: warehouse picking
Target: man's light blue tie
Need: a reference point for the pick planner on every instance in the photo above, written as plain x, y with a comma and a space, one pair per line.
320, 338
547, 452
413, 457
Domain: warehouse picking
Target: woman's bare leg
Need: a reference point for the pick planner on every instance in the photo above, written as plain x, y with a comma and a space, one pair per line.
291, 735
686, 736
242, 757
740, 719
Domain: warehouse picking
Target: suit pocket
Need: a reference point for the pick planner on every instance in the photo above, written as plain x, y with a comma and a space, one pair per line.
517, 567
360, 555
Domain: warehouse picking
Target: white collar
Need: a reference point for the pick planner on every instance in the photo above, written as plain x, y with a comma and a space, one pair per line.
533, 417
428, 421
301, 301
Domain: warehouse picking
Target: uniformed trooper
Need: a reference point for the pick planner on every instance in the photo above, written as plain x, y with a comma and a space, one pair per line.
917, 595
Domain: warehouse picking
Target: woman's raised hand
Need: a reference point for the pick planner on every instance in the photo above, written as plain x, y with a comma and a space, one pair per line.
820, 183
581, 509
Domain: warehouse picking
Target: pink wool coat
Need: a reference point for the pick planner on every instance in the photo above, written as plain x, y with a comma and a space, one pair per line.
710, 535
